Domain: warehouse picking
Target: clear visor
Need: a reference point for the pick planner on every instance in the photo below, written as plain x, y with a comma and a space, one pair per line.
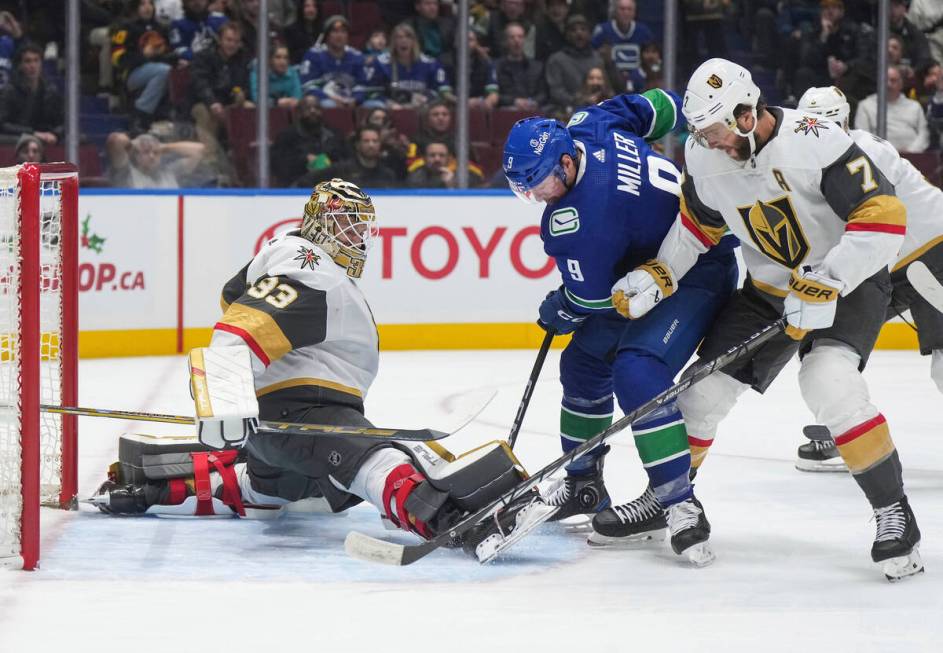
539, 192
709, 135
355, 229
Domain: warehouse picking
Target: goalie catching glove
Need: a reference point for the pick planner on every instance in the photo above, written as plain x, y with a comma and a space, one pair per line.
223, 391
642, 289
811, 302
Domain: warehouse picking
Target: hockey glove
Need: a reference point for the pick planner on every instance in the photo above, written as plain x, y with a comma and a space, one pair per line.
223, 391
642, 289
811, 302
556, 312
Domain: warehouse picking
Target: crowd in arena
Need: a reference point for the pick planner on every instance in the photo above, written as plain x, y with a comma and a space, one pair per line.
366, 90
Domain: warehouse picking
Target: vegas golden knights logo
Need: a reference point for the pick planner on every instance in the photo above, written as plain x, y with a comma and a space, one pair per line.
775, 229
714, 81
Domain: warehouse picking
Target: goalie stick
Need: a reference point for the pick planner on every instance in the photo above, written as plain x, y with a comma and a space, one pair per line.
923, 281
420, 435
372, 549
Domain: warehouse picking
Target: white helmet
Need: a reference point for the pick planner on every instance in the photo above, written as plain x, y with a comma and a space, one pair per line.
828, 102
714, 91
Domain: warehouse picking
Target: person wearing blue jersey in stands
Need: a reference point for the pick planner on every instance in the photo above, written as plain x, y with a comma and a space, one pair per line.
610, 201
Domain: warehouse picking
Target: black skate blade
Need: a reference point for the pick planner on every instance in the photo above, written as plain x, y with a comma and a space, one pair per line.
817, 432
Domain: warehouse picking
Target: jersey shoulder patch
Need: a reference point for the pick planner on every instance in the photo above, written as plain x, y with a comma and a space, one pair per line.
297, 258
564, 221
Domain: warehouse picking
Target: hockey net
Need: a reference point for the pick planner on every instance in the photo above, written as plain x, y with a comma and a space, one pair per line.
38, 349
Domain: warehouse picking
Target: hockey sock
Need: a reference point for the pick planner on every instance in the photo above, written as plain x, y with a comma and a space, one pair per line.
662, 443
699, 448
869, 452
579, 423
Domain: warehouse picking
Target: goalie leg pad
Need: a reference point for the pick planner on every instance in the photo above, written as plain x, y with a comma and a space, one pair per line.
478, 477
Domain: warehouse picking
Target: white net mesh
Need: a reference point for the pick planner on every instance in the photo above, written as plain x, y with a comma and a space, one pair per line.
50, 381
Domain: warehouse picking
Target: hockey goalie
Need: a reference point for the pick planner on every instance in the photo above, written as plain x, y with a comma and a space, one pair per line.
297, 343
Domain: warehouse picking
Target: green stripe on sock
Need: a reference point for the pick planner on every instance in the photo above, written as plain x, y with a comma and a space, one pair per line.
581, 427
665, 113
662, 443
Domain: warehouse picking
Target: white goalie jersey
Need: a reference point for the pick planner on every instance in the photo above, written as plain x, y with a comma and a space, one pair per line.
923, 200
810, 196
307, 324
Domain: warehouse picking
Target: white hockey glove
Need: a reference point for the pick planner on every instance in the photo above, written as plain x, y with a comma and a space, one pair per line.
641, 289
223, 391
811, 302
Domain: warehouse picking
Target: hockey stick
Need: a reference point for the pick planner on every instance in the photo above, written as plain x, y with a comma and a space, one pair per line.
421, 435
529, 388
372, 549
923, 281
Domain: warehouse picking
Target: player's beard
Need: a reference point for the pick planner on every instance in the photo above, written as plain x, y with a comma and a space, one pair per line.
741, 152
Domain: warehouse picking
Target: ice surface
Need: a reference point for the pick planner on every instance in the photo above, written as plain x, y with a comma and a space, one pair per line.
793, 571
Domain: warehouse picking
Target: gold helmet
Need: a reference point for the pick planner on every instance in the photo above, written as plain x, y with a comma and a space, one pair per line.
340, 219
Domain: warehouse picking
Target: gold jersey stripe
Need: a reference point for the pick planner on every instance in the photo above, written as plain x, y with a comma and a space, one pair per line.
880, 209
769, 288
261, 327
713, 233
307, 381
223, 304
917, 253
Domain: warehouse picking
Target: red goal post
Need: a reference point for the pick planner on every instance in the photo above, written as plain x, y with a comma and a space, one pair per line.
38, 349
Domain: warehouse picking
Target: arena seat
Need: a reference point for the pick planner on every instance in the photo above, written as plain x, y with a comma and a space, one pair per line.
340, 119
928, 163
501, 122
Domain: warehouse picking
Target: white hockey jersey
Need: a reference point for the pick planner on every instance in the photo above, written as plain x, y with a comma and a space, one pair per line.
923, 200
810, 196
308, 324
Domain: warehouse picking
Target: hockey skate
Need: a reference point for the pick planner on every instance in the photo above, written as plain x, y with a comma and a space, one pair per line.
819, 454
581, 493
506, 526
690, 531
630, 524
897, 543
114, 499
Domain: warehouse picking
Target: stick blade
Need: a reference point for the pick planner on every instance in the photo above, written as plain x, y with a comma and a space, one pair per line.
363, 547
923, 281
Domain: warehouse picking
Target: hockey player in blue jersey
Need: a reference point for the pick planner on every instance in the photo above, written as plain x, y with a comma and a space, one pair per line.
611, 200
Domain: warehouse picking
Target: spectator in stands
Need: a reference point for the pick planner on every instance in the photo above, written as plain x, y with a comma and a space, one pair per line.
246, 13
916, 49
395, 144
493, 28
142, 55
375, 46
906, 124
935, 108
928, 79
332, 70
145, 162
620, 39
436, 168
10, 34
29, 149
436, 124
550, 29
566, 70
308, 145
482, 79
366, 167
219, 79
840, 52
927, 15
895, 57
303, 33
520, 78
595, 88
284, 85
436, 33
196, 31
702, 18
404, 77
28, 104
167, 11
651, 74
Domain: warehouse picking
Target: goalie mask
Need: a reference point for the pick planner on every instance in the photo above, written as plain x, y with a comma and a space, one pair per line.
340, 219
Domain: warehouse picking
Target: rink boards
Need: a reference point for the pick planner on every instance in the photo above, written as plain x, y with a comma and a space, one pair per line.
451, 270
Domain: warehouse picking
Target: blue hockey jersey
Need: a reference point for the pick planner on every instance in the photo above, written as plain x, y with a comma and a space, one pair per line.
626, 46
395, 81
623, 202
324, 75
189, 35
